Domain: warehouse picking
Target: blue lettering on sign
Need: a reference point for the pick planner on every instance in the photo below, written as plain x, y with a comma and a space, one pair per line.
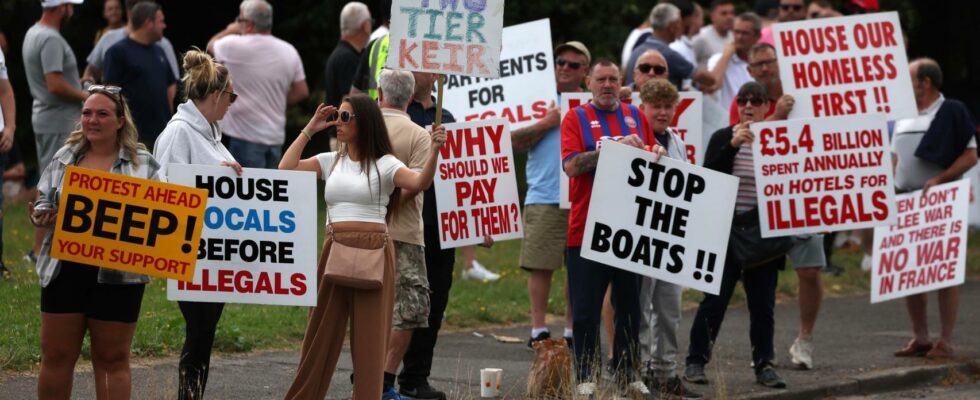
237, 219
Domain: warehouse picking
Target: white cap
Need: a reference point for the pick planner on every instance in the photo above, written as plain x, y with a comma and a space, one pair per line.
55, 3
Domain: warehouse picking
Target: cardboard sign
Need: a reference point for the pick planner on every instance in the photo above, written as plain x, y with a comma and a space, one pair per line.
128, 224
926, 249
668, 220
476, 189
845, 66
687, 123
526, 87
459, 37
259, 244
823, 174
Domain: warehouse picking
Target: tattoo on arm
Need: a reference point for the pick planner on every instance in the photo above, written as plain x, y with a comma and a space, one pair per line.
586, 162
522, 139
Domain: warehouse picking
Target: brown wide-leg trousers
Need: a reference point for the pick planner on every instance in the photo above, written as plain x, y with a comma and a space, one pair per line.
369, 312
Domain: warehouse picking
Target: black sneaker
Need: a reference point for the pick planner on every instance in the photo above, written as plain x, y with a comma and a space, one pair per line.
423, 391
832, 269
694, 373
768, 377
541, 336
673, 388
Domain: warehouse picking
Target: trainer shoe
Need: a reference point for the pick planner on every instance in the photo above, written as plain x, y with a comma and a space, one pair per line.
694, 373
541, 336
802, 353
585, 390
422, 392
768, 377
637, 390
866, 263
479, 273
390, 394
30, 257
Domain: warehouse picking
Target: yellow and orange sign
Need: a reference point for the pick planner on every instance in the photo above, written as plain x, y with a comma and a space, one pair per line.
129, 224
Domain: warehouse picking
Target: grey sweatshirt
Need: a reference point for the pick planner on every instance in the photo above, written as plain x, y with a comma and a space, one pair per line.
189, 139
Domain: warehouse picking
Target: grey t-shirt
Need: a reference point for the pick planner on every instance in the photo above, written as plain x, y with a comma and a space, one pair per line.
45, 51
97, 57
911, 172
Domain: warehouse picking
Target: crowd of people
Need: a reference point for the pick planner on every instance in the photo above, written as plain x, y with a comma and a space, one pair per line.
124, 114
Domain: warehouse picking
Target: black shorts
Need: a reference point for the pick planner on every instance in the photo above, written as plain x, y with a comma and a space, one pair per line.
76, 290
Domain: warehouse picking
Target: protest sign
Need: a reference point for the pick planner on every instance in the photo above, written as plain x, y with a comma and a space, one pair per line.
525, 89
668, 220
476, 189
926, 249
823, 174
687, 124
446, 37
128, 224
974, 175
845, 66
259, 244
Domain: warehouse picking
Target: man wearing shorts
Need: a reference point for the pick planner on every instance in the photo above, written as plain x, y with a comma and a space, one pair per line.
808, 260
52, 75
545, 224
410, 144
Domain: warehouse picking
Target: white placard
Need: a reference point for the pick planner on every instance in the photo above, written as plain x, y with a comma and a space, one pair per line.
259, 243
446, 37
525, 89
823, 174
476, 188
668, 220
926, 249
845, 66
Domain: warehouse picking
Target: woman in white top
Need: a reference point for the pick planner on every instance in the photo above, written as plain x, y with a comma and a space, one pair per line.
192, 137
361, 178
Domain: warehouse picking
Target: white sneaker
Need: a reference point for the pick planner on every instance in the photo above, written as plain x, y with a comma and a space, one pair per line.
637, 390
478, 272
866, 263
802, 353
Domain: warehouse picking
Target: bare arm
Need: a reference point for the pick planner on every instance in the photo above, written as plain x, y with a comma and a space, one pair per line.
581, 163
171, 94
963, 163
9, 116
232, 29
418, 181
298, 92
525, 138
291, 158
59, 87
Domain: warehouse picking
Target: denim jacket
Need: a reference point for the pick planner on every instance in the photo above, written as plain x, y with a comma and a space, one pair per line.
49, 188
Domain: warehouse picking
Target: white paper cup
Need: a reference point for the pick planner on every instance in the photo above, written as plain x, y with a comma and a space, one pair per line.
490, 382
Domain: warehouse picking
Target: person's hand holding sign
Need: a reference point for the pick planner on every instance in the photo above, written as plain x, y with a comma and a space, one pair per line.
438, 138
41, 217
742, 135
783, 107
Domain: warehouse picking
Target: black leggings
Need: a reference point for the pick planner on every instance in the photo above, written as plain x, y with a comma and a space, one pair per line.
195, 357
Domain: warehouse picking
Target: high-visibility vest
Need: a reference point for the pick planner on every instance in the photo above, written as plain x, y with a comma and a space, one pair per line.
377, 60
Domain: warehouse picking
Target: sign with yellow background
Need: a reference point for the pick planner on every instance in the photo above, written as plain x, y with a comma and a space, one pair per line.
129, 224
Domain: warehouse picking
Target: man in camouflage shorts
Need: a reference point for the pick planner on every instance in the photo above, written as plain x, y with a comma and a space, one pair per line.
410, 144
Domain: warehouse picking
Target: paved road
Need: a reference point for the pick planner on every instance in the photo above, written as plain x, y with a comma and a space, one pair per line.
854, 343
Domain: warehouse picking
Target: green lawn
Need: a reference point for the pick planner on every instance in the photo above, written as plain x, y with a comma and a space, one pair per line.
250, 327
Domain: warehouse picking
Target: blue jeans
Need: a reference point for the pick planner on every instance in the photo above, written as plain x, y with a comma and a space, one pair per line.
587, 283
255, 155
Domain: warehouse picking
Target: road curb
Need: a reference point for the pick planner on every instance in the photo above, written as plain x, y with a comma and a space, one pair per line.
876, 382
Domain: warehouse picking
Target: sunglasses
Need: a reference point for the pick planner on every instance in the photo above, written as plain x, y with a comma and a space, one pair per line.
762, 63
232, 96
344, 116
105, 88
657, 69
755, 101
563, 62
791, 7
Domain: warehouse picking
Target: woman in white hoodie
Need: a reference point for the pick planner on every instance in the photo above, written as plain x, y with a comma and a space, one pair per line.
192, 137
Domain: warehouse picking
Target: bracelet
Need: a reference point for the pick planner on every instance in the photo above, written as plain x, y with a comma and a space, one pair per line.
306, 133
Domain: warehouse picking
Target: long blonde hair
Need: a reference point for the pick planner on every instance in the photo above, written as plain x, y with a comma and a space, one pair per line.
127, 136
203, 75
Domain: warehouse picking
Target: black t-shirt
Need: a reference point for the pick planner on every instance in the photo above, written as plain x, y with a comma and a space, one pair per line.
424, 117
663, 138
341, 66
144, 75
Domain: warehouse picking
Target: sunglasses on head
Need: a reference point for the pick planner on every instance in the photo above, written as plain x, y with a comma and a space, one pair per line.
105, 88
755, 101
793, 7
561, 62
657, 69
